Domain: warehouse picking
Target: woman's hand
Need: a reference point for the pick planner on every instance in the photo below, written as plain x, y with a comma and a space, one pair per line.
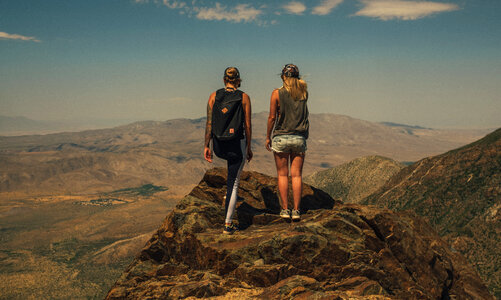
249, 154
268, 144
208, 154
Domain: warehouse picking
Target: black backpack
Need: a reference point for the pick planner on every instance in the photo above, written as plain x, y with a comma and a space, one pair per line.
228, 115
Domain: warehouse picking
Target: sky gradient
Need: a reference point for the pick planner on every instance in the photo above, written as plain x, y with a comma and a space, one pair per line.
428, 63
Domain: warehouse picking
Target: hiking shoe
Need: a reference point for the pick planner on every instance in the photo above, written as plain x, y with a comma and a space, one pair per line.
230, 229
296, 215
285, 213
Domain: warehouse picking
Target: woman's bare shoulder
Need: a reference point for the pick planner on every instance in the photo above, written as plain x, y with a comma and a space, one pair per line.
212, 99
245, 97
275, 93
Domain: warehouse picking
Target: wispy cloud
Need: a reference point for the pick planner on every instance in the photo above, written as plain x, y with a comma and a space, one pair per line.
240, 13
294, 7
236, 14
325, 7
172, 4
404, 10
8, 36
259, 14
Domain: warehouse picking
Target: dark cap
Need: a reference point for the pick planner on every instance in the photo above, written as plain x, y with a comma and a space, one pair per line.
290, 70
231, 76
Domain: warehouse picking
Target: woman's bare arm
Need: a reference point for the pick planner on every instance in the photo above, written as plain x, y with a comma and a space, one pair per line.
208, 128
274, 102
246, 103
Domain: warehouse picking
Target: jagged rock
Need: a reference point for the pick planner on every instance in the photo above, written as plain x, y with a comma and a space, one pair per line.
337, 251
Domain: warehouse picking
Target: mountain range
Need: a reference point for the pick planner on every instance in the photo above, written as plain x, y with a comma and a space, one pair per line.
169, 153
19, 125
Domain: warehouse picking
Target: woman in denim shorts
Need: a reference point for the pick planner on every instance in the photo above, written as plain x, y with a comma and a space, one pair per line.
288, 122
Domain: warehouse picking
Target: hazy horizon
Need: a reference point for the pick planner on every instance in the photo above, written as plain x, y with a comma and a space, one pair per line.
85, 124
434, 64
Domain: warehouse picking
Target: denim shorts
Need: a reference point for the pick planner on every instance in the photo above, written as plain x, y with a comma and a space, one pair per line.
289, 143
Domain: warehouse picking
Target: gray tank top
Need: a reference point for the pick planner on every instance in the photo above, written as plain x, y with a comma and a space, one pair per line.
293, 115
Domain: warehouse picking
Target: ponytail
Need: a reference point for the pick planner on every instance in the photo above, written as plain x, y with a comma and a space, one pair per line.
297, 88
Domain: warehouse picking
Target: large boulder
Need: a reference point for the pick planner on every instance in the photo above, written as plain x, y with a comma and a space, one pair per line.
336, 251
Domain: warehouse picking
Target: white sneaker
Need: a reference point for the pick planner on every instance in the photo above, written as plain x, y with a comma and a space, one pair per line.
285, 213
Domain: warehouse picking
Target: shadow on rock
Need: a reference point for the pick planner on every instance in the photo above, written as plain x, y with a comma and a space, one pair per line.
259, 192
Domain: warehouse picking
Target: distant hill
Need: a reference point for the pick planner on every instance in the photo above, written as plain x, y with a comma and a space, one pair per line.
405, 128
12, 125
403, 125
169, 153
19, 125
459, 193
353, 181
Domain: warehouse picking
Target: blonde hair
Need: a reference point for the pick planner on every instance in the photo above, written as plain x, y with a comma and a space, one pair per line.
232, 75
297, 88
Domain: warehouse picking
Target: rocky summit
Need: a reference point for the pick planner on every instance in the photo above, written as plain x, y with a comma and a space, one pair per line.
336, 251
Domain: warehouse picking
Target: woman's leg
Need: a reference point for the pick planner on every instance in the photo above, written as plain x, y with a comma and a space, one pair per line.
236, 161
297, 161
282, 163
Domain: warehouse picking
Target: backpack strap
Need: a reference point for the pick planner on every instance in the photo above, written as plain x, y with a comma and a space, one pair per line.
219, 95
239, 92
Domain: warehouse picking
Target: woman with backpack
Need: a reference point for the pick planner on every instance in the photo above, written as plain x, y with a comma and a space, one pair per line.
288, 121
229, 127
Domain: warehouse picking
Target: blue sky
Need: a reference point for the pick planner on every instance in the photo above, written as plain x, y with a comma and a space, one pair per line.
429, 63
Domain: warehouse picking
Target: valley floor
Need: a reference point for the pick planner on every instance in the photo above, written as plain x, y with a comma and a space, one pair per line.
65, 246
